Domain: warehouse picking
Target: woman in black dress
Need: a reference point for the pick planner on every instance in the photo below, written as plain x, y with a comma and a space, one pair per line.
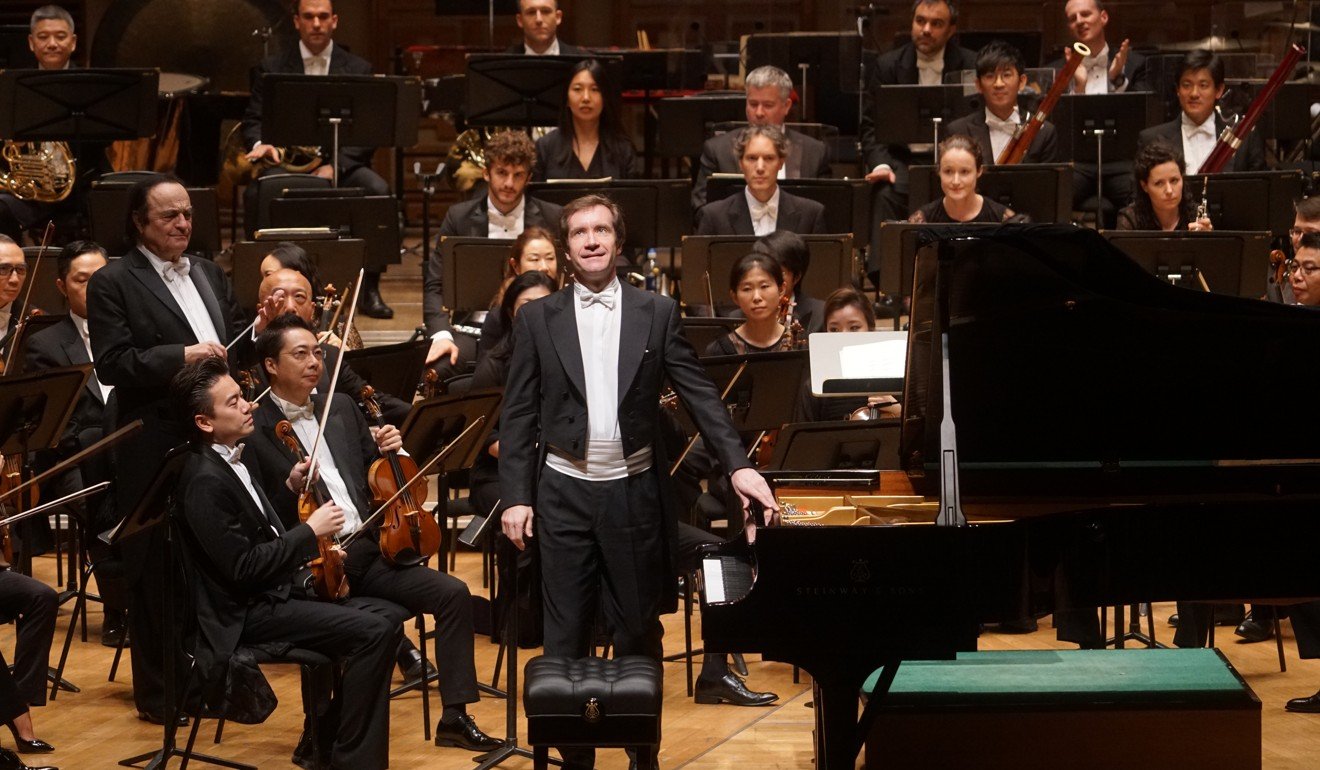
589, 142
756, 284
960, 166
1163, 202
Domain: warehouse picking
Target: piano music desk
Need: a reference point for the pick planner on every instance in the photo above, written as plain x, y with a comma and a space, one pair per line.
1068, 708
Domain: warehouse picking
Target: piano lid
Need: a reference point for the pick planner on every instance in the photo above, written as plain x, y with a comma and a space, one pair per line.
1078, 377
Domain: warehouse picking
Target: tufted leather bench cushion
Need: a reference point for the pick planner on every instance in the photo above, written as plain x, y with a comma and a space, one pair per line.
593, 701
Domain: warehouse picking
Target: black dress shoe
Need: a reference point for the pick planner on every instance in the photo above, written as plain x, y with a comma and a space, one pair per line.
1026, 625
465, 734
411, 668
1253, 631
110, 637
731, 689
34, 746
158, 719
371, 304
1309, 705
1173, 620
10, 761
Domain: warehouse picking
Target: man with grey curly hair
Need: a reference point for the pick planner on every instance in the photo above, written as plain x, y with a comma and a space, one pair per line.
769, 99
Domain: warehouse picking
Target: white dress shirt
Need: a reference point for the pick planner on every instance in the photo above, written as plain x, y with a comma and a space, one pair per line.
764, 215
6, 313
232, 456
1001, 131
81, 324
185, 293
305, 427
1197, 141
1097, 73
598, 319
930, 69
316, 64
553, 50
501, 225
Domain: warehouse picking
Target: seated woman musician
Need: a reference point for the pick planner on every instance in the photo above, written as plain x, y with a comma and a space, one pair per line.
1162, 200
535, 249
848, 310
590, 142
756, 284
794, 258
961, 165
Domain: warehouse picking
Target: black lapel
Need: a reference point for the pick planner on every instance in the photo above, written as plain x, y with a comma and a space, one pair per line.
479, 219
338, 442
262, 517
740, 215
907, 65
562, 323
207, 292
141, 269
634, 329
980, 132
77, 354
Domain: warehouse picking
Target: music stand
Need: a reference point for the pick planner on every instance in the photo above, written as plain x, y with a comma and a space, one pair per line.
656, 210
78, 105
1233, 263
899, 242
832, 263
107, 210
34, 324
1249, 200
837, 445
515, 90
152, 511
372, 218
338, 261
904, 114
1042, 191
681, 121
435, 422
822, 65
766, 393
1120, 118
323, 110
701, 331
473, 270
14, 51
395, 369
847, 202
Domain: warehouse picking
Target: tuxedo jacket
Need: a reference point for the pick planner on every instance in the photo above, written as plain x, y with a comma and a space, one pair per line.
565, 49
1249, 157
289, 62
1044, 148
58, 346
350, 383
732, 216
1135, 70
899, 67
469, 219
241, 554
346, 436
808, 158
138, 333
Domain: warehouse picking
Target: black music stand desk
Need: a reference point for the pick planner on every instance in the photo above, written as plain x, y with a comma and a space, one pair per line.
682, 121
515, 90
1233, 263
435, 422
837, 445
473, 270
832, 263
78, 105
766, 393
372, 218
1042, 191
395, 369
337, 260
903, 114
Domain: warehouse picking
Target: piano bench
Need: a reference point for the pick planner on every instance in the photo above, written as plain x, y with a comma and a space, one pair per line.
1067, 708
593, 702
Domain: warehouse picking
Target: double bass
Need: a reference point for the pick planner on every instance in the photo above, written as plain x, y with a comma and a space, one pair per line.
408, 535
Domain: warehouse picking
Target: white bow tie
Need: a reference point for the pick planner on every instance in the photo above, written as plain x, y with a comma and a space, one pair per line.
295, 413
179, 267
233, 456
588, 297
1008, 126
1190, 131
763, 210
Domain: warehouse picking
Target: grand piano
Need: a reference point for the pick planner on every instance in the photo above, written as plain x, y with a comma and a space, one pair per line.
1110, 439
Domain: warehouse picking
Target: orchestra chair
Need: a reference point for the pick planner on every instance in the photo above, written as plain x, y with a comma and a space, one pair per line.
423, 683
1278, 636
593, 702
274, 186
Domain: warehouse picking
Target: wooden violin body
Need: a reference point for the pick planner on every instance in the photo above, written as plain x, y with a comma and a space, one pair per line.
329, 580
408, 534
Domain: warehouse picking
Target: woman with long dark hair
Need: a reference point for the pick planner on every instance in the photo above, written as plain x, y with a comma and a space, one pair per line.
1162, 201
589, 142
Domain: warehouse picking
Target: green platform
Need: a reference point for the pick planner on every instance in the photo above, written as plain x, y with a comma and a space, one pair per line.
1132, 677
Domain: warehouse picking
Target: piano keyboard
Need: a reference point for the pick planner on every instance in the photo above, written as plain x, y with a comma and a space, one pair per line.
726, 578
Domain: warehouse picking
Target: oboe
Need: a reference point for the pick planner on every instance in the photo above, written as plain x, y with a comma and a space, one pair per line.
1203, 208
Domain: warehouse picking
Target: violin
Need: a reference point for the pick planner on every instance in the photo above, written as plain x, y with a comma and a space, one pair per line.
329, 580
408, 535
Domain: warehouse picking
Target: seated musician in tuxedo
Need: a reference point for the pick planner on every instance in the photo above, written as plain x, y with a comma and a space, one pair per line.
924, 60
503, 212
317, 54
1000, 76
769, 100
67, 343
13, 274
250, 582
589, 142
1306, 219
1194, 133
961, 165
539, 21
762, 207
292, 359
149, 314
1304, 271
1106, 70
1163, 202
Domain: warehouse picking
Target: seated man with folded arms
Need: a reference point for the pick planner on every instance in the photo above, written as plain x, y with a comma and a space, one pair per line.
502, 213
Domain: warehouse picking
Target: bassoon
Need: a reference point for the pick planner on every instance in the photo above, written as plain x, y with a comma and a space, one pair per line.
1025, 134
1235, 135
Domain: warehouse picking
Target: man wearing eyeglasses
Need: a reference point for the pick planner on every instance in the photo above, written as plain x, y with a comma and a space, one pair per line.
1304, 271
148, 314
13, 272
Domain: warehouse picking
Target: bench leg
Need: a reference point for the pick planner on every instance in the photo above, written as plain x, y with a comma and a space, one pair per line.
540, 757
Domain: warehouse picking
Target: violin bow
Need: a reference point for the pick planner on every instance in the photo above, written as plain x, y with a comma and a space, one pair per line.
94, 449
330, 392
27, 295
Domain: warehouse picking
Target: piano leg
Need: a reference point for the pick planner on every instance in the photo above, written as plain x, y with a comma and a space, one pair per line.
839, 733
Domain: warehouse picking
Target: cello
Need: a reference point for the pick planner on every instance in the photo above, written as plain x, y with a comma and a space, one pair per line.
408, 535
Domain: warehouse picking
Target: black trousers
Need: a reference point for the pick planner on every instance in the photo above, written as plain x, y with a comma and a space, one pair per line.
1306, 628
422, 589
602, 546
34, 605
146, 622
364, 639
